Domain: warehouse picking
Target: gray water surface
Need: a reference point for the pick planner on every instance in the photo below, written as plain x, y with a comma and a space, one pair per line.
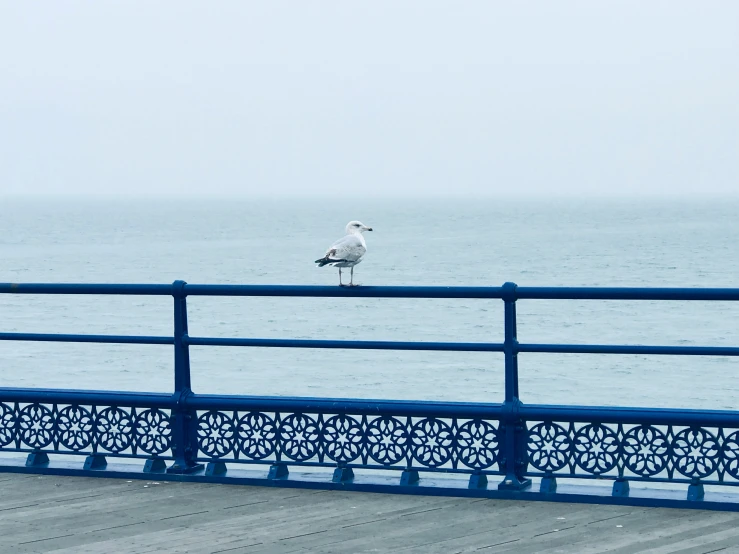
686, 243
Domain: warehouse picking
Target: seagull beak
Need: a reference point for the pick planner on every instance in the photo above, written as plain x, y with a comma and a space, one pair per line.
369, 228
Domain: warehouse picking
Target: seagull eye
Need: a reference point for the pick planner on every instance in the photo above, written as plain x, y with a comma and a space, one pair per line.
356, 224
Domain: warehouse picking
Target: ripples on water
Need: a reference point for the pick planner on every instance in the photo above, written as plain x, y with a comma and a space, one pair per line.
570, 243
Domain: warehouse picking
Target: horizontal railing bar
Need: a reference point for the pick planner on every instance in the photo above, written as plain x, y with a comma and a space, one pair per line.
83, 288
308, 405
346, 344
89, 397
346, 292
629, 415
379, 345
106, 339
629, 349
626, 293
549, 293
345, 406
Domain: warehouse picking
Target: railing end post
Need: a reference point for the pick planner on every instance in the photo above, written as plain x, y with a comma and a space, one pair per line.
695, 490
37, 459
409, 477
620, 487
343, 475
95, 461
178, 288
509, 292
215, 468
478, 481
548, 484
278, 471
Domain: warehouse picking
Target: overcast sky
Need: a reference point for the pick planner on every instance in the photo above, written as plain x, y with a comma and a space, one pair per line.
378, 98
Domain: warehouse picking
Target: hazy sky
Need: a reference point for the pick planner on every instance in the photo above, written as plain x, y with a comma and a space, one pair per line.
378, 98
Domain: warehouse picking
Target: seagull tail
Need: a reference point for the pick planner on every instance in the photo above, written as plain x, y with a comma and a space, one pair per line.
326, 260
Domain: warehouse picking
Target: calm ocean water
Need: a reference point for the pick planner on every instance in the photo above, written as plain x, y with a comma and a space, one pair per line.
485, 242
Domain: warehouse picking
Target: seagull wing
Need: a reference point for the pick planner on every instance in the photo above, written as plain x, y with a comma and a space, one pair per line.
350, 248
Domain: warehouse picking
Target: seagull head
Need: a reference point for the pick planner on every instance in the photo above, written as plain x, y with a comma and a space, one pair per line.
354, 227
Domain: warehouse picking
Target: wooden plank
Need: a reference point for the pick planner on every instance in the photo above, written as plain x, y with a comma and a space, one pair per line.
73, 515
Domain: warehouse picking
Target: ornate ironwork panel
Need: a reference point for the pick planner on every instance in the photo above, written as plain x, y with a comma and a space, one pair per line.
640, 452
75, 429
381, 441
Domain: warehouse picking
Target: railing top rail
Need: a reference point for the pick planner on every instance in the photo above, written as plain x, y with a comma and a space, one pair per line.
508, 291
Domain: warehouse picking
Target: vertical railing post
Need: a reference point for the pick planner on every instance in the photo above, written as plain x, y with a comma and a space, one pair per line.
184, 442
513, 445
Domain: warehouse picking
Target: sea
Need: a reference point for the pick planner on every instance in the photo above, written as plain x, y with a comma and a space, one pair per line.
599, 242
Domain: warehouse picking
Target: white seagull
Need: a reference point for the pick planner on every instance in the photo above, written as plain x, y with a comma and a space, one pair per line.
348, 251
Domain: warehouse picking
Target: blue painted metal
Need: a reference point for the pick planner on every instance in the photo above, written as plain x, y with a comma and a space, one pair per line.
183, 418
176, 434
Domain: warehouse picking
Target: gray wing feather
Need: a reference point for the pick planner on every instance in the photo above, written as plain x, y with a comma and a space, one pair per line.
348, 248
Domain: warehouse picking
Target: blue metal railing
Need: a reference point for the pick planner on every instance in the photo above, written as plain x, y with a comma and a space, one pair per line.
181, 432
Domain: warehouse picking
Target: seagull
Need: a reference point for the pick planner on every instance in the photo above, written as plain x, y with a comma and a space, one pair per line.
348, 251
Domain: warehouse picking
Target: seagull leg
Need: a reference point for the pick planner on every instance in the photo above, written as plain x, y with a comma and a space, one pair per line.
340, 283
351, 277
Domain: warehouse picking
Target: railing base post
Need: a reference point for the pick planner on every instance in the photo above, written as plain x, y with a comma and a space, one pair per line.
95, 461
409, 477
215, 468
695, 491
37, 459
343, 475
620, 488
278, 471
155, 465
548, 484
478, 481
514, 483
184, 469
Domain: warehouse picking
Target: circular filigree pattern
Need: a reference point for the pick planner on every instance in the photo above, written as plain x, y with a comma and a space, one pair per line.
695, 453
342, 438
113, 429
7, 425
74, 427
216, 434
153, 431
36, 425
729, 453
549, 446
432, 442
596, 448
477, 444
299, 437
257, 435
645, 450
387, 440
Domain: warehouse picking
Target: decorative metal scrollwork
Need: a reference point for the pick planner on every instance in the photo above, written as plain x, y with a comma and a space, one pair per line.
646, 450
432, 442
477, 443
256, 435
153, 432
114, 429
36, 425
596, 448
387, 440
549, 446
342, 438
7, 425
299, 437
75, 427
695, 452
216, 434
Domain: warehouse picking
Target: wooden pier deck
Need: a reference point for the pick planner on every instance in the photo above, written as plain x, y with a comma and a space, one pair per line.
76, 515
